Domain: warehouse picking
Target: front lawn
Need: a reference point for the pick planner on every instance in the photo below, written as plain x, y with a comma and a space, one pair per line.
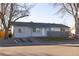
50, 39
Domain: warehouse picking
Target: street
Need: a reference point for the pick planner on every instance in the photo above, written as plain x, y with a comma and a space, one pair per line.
41, 50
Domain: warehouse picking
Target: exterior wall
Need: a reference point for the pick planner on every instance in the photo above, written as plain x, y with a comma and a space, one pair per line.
61, 33
42, 32
58, 34
25, 32
36, 34
28, 32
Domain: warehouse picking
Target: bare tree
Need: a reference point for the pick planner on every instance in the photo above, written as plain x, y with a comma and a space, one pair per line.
72, 9
10, 12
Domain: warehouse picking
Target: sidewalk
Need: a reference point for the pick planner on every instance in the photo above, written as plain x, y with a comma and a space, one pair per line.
10, 42
38, 44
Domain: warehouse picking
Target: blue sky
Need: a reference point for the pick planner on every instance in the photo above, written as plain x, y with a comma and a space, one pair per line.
45, 13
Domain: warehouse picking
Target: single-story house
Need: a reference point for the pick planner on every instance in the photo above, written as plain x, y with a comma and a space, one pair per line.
31, 29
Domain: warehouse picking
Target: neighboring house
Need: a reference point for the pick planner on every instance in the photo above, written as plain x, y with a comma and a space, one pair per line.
30, 29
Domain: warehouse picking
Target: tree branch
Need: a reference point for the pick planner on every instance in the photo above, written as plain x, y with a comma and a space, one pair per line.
20, 17
10, 17
66, 9
72, 9
5, 7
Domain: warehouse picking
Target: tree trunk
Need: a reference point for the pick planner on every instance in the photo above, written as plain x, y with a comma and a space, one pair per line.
6, 33
76, 27
77, 30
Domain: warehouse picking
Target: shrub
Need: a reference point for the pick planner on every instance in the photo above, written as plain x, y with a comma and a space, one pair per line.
2, 34
10, 35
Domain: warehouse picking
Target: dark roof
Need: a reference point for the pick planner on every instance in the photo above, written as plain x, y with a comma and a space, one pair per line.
32, 24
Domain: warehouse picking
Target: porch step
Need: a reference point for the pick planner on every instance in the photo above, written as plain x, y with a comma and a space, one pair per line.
26, 40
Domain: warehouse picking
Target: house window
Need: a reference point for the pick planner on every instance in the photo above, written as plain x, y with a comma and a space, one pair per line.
62, 29
37, 29
55, 29
47, 29
66, 30
34, 29
19, 30
52, 29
